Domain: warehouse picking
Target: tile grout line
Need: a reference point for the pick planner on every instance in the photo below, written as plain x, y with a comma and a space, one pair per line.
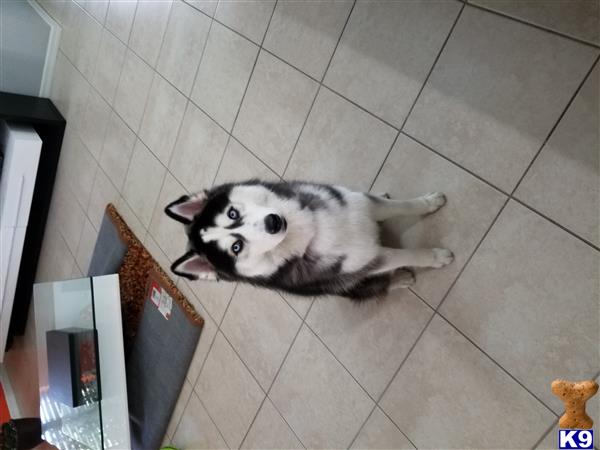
303, 322
439, 314
120, 191
195, 382
260, 46
414, 103
187, 97
544, 435
310, 109
469, 171
208, 414
271, 386
555, 223
558, 121
534, 25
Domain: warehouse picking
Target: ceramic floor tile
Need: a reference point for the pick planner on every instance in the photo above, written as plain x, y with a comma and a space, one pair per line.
299, 303
208, 7
563, 181
349, 144
108, 69
168, 233
370, 339
250, 17
75, 94
183, 44
486, 106
223, 74
78, 166
305, 33
119, 18
386, 52
180, 406
380, 432
94, 123
96, 8
412, 170
117, 151
196, 430
70, 29
459, 387
273, 111
88, 42
198, 150
578, 18
67, 214
162, 118
269, 431
56, 260
209, 330
260, 325
143, 182
239, 164
229, 392
520, 295
132, 91
148, 29
317, 397
103, 193
58, 89
131, 219
214, 296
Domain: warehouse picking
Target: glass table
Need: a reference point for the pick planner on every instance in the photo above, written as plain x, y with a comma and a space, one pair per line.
81, 364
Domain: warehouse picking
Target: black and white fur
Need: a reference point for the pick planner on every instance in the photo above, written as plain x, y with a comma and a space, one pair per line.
303, 238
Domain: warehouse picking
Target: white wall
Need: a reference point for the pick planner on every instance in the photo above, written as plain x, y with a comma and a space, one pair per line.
23, 45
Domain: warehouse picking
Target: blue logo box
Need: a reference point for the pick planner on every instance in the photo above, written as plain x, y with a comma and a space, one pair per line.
575, 439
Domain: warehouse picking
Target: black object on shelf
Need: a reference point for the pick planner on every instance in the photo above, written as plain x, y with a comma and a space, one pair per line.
72, 374
46, 120
21, 434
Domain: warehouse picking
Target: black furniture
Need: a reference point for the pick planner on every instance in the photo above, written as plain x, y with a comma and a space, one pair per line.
42, 115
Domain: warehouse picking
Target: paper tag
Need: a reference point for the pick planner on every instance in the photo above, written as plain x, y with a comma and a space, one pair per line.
166, 304
155, 293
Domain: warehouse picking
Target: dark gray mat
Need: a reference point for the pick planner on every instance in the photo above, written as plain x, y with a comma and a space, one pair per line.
159, 358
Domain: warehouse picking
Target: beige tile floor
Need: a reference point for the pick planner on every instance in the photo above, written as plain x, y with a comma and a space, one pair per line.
494, 102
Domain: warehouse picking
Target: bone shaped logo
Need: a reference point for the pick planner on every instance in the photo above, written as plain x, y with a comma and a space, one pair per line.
574, 395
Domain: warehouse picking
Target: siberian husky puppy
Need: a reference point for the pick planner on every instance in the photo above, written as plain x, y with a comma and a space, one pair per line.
299, 237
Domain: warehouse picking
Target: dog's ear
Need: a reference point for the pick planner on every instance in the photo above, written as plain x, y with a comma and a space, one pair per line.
186, 207
194, 267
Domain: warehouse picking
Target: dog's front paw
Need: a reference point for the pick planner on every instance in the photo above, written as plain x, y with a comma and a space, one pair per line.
434, 201
442, 257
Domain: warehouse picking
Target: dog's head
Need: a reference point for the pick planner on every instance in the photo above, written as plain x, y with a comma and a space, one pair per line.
229, 229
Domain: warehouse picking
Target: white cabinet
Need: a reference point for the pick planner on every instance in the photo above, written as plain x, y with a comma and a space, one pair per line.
20, 146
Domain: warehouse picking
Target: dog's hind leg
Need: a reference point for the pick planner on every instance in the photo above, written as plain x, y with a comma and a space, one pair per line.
384, 208
391, 259
402, 278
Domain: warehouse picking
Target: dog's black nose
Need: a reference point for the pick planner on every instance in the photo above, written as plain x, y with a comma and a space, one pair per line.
273, 223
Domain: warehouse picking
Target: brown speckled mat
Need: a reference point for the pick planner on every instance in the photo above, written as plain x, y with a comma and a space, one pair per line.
137, 265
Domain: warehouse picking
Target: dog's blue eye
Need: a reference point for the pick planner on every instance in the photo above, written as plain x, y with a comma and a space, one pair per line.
233, 213
237, 247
